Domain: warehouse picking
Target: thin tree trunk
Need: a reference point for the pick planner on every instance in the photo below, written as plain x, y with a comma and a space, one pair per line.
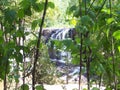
80, 50
5, 78
23, 57
88, 66
38, 44
6, 69
114, 69
80, 65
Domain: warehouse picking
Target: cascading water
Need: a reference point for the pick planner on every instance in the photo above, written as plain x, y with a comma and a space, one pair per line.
63, 63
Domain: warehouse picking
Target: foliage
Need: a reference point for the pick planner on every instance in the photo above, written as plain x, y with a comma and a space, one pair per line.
96, 44
46, 70
99, 26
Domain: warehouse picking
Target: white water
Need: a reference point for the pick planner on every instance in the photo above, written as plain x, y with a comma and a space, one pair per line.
65, 61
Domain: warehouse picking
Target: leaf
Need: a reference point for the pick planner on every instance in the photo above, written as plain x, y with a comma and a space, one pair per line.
38, 7
76, 60
24, 87
1, 33
76, 13
72, 8
116, 34
35, 23
1, 40
20, 13
39, 87
10, 15
51, 5
19, 33
67, 42
85, 19
119, 48
95, 88
28, 11
106, 10
25, 4
73, 22
110, 20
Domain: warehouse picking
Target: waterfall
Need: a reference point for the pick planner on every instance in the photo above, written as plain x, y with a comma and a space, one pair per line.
60, 34
64, 61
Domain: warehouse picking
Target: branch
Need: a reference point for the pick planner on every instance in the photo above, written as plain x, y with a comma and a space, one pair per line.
101, 8
90, 6
38, 44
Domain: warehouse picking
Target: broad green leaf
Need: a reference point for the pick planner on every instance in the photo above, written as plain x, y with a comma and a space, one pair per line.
110, 20
106, 10
87, 21
39, 87
25, 3
38, 7
24, 87
91, 14
35, 23
72, 9
51, 5
10, 15
76, 13
116, 34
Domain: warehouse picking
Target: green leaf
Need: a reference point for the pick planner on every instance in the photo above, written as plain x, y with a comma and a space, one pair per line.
25, 4
24, 87
39, 87
20, 13
95, 88
119, 48
10, 15
116, 34
38, 7
1, 40
67, 42
28, 11
19, 33
110, 20
87, 21
76, 60
106, 10
71, 9
1, 33
35, 23
51, 5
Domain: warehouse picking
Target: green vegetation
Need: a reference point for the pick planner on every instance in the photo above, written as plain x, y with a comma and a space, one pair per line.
96, 44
